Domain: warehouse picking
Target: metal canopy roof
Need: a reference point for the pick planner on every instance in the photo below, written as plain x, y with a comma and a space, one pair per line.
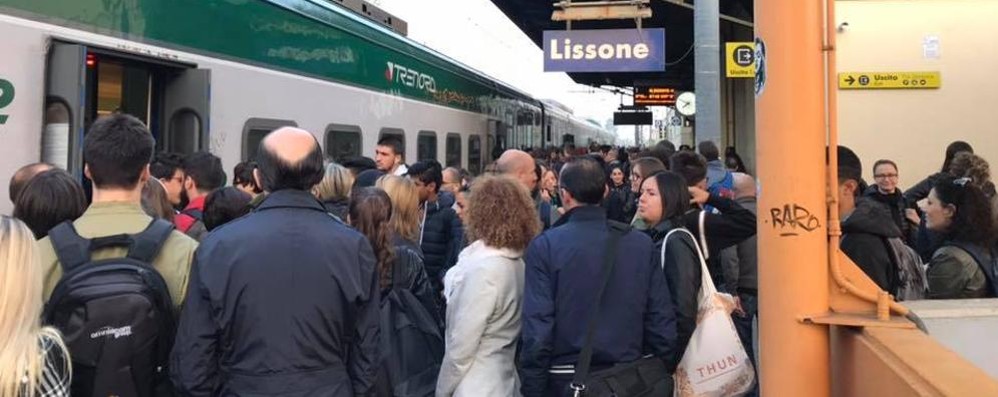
534, 17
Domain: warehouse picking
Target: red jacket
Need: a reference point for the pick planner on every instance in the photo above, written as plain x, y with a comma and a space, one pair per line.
184, 221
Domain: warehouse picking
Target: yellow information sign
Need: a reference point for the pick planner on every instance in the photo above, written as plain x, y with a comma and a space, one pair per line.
889, 80
741, 60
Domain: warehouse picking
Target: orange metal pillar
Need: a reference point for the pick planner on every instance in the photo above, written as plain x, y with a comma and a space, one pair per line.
793, 235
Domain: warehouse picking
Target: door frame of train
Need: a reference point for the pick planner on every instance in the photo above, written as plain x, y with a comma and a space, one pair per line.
175, 88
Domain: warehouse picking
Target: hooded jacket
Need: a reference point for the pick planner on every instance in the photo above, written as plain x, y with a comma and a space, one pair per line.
340, 208
897, 204
441, 237
864, 240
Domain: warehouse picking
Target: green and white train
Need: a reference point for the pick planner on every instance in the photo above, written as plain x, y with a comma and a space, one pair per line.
221, 74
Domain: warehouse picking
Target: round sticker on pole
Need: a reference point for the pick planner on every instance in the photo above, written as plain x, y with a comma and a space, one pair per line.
760, 66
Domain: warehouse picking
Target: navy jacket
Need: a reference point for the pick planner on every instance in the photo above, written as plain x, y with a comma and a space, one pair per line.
563, 267
442, 238
284, 301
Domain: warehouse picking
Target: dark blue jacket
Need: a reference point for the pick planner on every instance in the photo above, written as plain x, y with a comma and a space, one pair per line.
563, 267
442, 237
284, 301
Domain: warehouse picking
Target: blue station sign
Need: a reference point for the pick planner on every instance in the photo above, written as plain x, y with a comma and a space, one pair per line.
606, 50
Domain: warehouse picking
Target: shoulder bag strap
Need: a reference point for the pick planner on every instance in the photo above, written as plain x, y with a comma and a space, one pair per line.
706, 282
703, 236
585, 357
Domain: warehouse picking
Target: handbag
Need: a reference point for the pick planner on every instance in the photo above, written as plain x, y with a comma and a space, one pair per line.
715, 362
647, 376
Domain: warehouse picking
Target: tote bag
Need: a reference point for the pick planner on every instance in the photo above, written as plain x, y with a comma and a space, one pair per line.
715, 363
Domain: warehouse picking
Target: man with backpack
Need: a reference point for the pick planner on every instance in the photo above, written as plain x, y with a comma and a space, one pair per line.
871, 238
115, 277
720, 181
204, 174
283, 301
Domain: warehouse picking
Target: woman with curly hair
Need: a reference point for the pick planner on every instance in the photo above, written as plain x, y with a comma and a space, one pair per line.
961, 213
484, 291
405, 215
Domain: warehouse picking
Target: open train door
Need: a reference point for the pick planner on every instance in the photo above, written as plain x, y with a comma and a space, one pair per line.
65, 107
186, 111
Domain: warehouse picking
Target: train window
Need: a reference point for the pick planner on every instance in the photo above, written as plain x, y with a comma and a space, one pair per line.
343, 141
56, 136
453, 155
255, 130
475, 154
184, 133
426, 146
396, 133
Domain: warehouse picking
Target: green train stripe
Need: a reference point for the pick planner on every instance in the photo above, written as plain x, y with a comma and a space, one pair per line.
306, 37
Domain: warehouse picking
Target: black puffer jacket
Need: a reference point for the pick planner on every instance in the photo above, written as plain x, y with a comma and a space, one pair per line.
684, 276
864, 240
441, 237
620, 205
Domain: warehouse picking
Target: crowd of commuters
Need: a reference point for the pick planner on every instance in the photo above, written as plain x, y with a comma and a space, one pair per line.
376, 277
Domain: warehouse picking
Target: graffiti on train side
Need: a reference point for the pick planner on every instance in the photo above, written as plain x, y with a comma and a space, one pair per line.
792, 220
386, 105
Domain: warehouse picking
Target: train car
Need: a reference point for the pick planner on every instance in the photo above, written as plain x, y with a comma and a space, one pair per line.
219, 75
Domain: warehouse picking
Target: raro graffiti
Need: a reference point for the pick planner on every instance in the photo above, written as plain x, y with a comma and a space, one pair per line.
792, 220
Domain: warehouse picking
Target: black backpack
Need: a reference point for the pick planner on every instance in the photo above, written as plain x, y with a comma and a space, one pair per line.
412, 342
987, 261
116, 314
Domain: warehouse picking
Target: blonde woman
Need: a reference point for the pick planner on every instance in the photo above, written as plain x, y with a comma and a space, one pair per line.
33, 359
405, 214
334, 190
484, 292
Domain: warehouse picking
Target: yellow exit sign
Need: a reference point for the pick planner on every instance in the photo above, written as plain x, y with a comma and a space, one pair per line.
889, 80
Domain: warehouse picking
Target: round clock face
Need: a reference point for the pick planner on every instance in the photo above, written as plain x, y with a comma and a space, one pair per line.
686, 104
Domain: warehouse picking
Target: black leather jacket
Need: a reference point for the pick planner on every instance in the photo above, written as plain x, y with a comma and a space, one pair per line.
412, 276
683, 274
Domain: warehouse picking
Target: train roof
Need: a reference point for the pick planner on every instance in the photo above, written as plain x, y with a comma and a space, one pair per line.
314, 38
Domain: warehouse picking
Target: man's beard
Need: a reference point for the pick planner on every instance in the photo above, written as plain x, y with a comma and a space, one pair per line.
184, 200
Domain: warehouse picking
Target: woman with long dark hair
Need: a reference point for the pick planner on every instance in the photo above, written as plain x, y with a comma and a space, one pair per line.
397, 267
960, 212
620, 205
370, 213
664, 200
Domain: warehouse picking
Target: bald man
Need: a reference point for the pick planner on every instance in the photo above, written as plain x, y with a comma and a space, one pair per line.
519, 165
284, 301
522, 167
452, 180
741, 267
23, 176
744, 186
